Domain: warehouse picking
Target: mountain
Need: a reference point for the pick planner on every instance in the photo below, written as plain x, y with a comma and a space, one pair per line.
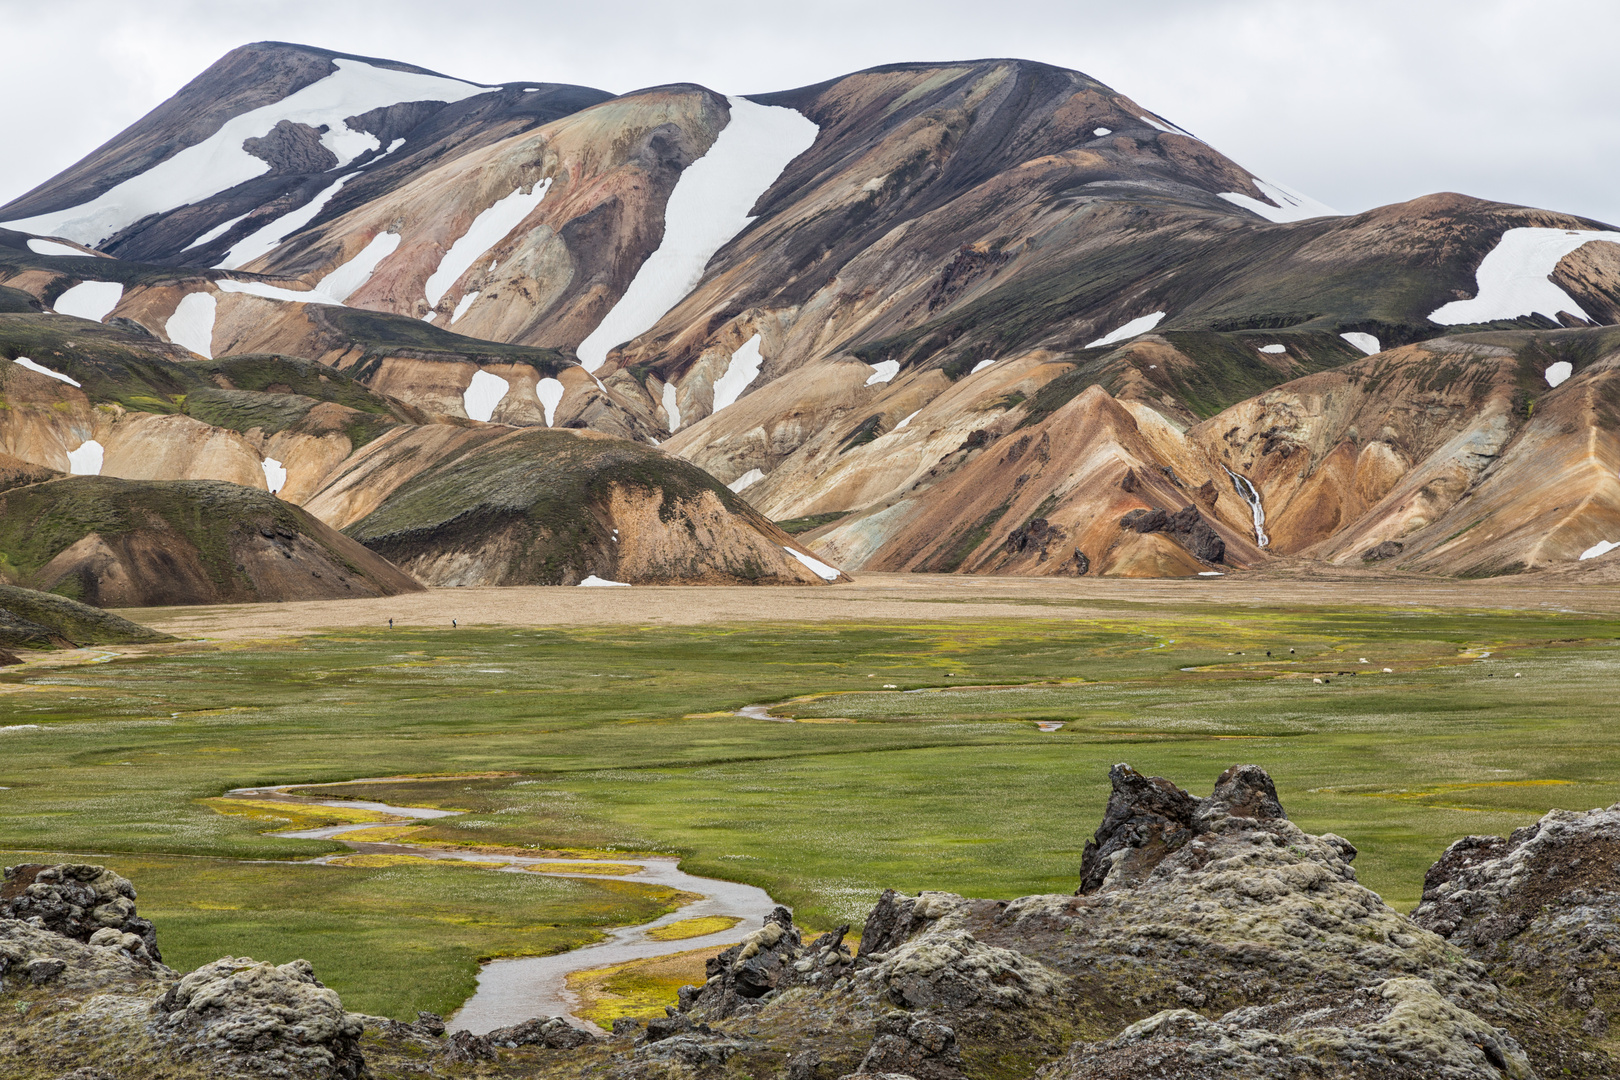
979, 317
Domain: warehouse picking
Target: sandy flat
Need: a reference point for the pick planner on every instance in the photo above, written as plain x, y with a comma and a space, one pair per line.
871, 597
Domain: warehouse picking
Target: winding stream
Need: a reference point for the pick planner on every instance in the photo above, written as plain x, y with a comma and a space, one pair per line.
518, 989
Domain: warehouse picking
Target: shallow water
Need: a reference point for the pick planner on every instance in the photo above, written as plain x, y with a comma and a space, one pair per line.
514, 990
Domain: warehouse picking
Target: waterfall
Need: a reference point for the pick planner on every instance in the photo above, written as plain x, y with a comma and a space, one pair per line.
1252, 497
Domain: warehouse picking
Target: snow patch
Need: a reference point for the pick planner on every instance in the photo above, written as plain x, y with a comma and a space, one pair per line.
1274, 349
907, 420
483, 394
550, 393
341, 283
741, 370
1291, 205
1210, 573
1513, 278
594, 581
709, 206
980, 366
1557, 373
1155, 124
746, 480
218, 162
883, 372
816, 566
672, 408
1367, 343
275, 476
490, 227
462, 305
395, 145
276, 292
23, 361
86, 460
93, 300
1100, 132
1136, 326
264, 240
1251, 496
216, 232
1602, 547
51, 247
192, 324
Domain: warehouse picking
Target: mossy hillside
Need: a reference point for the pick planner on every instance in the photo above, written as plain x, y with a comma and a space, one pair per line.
62, 618
275, 393
38, 522
111, 365
796, 526
382, 335
16, 302
15, 257
550, 486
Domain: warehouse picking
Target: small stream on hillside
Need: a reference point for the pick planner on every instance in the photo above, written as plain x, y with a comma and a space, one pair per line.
518, 989
1251, 495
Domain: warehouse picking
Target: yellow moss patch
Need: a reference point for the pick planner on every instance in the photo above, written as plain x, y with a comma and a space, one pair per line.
640, 988
383, 833
583, 868
691, 928
294, 815
408, 860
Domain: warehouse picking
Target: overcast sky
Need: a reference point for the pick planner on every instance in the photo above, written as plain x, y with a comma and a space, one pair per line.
1355, 103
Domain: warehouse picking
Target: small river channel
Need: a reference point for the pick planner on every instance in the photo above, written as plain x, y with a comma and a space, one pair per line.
518, 989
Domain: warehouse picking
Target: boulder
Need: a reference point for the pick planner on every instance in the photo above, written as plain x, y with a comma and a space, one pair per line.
750, 969
549, 1031
80, 901
918, 1048
271, 1015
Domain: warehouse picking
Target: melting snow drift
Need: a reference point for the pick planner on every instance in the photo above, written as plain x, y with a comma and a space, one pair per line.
1557, 373
883, 372
550, 393
1602, 547
1291, 205
266, 239
51, 247
671, 408
276, 292
1513, 278
1367, 343
192, 324
1129, 330
489, 228
741, 370
462, 305
746, 480
218, 162
483, 394
86, 460
819, 568
23, 361
708, 207
593, 580
275, 476
1273, 349
93, 300
341, 283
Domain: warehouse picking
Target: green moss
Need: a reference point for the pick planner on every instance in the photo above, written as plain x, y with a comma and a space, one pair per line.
866, 431
795, 526
66, 617
951, 554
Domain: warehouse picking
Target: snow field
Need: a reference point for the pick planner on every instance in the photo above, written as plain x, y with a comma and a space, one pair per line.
192, 324
1367, 343
1602, 547
216, 232
1274, 349
1513, 278
86, 460
1100, 132
23, 361
275, 476
51, 247
819, 568
907, 420
267, 238
1136, 326
671, 408
741, 370
594, 581
883, 372
341, 283
489, 228
483, 394
980, 366
1291, 205
276, 292
550, 393
93, 300
1557, 373
462, 305
218, 162
708, 207
746, 480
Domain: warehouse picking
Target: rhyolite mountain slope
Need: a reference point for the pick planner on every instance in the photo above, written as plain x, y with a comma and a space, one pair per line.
982, 317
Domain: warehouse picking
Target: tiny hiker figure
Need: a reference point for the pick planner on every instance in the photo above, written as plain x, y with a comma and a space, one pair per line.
390, 623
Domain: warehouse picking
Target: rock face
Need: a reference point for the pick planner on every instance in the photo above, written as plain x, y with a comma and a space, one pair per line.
70, 939
1539, 908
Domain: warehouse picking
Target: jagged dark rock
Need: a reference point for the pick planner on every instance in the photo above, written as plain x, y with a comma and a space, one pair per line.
1033, 536
918, 1048
1186, 526
549, 1031
1147, 817
1386, 550
83, 902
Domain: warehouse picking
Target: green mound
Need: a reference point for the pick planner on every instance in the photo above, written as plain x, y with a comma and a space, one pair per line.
36, 620
383, 335
118, 543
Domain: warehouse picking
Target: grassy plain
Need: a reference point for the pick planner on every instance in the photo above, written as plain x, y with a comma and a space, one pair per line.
624, 738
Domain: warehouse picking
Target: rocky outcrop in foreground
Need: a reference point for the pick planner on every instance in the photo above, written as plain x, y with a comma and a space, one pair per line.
1209, 937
